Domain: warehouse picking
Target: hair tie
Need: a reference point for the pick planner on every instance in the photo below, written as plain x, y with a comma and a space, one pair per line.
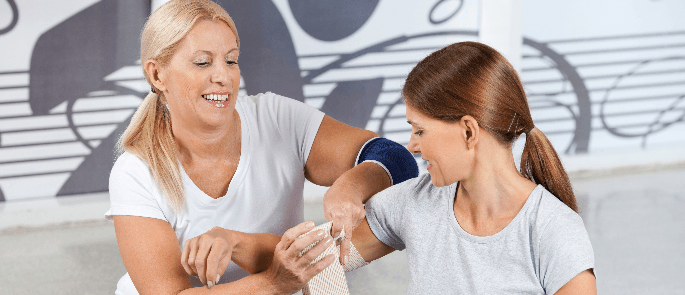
153, 90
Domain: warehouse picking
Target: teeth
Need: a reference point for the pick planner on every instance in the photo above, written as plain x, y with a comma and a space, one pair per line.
216, 97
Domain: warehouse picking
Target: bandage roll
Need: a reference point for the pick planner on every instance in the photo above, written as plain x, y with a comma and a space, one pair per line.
332, 281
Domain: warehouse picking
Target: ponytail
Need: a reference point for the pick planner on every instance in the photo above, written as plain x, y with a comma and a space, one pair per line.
540, 163
149, 137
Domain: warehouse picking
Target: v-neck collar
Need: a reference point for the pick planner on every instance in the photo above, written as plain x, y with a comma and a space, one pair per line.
194, 191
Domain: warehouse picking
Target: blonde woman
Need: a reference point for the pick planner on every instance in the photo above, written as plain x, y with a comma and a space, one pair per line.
209, 178
474, 224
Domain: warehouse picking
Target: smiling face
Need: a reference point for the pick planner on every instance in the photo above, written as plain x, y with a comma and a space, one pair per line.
201, 80
442, 145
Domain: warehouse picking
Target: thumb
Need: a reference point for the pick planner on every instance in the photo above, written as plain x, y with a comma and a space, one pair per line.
338, 226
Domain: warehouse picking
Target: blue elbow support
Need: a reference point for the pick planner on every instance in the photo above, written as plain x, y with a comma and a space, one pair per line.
397, 161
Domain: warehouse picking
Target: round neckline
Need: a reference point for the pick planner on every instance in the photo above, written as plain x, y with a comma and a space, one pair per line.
494, 237
240, 171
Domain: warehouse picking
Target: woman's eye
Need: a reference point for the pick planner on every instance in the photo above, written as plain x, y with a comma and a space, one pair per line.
418, 132
231, 62
202, 64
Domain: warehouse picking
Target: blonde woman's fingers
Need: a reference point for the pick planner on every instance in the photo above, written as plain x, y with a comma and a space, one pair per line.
293, 234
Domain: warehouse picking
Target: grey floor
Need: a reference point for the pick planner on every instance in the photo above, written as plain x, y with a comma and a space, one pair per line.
636, 221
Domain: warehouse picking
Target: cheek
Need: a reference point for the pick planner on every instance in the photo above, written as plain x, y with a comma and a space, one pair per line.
236, 78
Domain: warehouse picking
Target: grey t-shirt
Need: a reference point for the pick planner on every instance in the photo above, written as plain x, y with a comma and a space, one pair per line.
543, 247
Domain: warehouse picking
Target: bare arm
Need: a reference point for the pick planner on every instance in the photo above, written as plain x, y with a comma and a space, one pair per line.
331, 163
207, 256
334, 151
150, 252
366, 243
583, 283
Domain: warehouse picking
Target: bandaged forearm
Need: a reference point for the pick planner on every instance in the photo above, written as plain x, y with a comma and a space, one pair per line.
397, 161
332, 281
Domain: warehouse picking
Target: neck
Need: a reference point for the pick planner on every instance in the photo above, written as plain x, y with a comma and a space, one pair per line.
208, 142
494, 190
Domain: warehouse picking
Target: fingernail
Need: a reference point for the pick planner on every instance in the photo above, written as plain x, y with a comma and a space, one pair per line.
319, 233
345, 259
210, 284
217, 278
310, 224
329, 240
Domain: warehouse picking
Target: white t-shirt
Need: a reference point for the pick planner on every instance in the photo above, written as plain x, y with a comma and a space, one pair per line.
265, 194
541, 249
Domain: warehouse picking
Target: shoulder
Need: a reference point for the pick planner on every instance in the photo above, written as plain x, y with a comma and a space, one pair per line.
130, 164
267, 101
550, 214
562, 245
270, 108
412, 190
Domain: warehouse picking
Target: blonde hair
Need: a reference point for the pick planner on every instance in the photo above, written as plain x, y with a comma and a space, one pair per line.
149, 135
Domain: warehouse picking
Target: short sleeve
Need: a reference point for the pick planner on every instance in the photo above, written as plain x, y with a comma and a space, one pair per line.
384, 213
299, 122
132, 190
565, 250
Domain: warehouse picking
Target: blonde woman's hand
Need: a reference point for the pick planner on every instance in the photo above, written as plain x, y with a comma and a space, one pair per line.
342, 204
207, 256
291, 269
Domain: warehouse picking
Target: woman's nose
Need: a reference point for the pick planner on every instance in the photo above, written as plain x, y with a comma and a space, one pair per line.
413, 145
220, 74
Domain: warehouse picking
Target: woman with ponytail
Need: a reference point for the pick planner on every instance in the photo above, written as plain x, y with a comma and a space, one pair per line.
208, 181
475, 224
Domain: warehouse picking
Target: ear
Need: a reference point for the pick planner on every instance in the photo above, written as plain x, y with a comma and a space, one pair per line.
471, 131
155, 73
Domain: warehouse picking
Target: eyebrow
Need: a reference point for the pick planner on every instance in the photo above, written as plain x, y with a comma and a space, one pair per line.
210, 53
412, 123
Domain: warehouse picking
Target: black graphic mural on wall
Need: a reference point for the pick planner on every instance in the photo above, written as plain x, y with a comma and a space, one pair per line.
14, 18
71, 60
85, 81
268, 61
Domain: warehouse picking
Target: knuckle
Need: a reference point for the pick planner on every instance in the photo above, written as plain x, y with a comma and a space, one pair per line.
301, 278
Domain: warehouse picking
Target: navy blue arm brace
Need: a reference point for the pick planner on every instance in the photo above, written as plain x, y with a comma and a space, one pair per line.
397, 161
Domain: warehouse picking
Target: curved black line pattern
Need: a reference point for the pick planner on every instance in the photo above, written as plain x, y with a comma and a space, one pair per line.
583, 120
657, 121
15, 18
376, 48
437, 22
581, 136
386, 116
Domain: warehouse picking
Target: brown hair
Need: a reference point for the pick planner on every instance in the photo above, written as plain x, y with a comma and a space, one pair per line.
471, 78
149, 134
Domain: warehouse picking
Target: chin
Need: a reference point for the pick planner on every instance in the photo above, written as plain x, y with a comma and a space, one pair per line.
437, 181
440, 181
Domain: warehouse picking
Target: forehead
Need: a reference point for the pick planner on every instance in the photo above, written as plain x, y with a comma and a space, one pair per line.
414, 116
209, 36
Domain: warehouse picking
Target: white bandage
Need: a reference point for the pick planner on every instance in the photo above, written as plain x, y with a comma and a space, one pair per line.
332, 281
